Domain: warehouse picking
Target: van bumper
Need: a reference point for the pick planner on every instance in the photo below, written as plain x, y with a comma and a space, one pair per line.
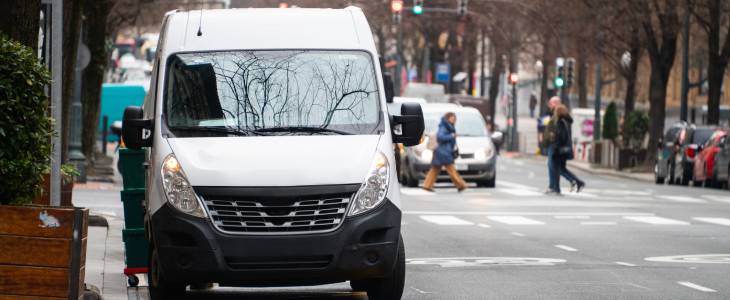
191, 250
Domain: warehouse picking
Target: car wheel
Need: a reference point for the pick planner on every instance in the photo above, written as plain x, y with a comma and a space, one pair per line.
672, 180
488, 183
391, 287
159, 287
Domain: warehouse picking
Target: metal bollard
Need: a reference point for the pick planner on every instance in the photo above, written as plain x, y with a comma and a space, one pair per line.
104, 133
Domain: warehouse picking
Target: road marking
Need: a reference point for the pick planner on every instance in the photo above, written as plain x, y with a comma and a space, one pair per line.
566, 248
515, 220
718, 221
625, 264
724, 199
524, 213
683, 199
693, 259
531, 175
520, 192
655, 220
696, 287
516, 234
597, 223
515, 185
420, 291
455, 262
415, 192
446, 220
572, 217
482, 225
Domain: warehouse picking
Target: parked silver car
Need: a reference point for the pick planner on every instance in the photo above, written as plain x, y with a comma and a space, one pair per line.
477, 152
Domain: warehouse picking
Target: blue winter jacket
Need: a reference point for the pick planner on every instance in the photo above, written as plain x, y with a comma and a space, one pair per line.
444, 154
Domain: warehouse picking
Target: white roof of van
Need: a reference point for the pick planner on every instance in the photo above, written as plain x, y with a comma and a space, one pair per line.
268, 28
446, 107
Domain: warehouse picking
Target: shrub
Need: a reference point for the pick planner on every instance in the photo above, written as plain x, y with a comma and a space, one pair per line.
610, 122
635, 128
25, 128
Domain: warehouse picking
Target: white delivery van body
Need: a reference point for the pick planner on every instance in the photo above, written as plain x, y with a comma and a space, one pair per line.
270, 153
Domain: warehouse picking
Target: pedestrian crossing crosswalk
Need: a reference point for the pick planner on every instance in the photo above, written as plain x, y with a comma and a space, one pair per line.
519, 191
488, 221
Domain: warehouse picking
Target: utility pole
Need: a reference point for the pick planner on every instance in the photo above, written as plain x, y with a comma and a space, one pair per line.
685, 65
482, 77
515, 138
597, 105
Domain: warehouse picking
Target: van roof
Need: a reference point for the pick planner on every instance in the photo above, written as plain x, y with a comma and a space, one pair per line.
268, 28
446, 107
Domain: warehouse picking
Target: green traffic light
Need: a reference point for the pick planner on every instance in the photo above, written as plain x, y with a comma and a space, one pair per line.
417, 10
559, 82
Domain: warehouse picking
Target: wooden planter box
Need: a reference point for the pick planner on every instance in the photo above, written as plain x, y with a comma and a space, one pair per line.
42, 252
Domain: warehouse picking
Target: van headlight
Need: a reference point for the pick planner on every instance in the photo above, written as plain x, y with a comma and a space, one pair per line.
177, 188
374, 188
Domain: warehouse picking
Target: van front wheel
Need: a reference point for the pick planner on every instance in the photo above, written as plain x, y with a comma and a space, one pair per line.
391, 287
159, 287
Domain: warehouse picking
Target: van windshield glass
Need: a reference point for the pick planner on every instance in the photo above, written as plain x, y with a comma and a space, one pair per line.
277, 92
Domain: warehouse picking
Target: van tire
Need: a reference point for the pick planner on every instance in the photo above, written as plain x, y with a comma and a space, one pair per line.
391, 287
159, 288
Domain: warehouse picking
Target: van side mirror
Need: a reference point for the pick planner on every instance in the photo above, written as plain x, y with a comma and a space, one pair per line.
497, 138
136, 131
388, 85
411, 124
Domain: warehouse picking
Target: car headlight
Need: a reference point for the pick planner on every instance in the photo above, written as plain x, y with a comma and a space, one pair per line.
374, 188
484, 153
177, 188
426, 155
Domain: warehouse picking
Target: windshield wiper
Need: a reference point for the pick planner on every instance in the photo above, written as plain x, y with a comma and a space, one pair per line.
303, 129
226, 130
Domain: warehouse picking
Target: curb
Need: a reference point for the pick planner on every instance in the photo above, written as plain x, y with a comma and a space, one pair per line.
588, 169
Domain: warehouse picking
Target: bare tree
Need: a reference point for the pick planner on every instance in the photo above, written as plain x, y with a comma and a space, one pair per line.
19, 21
714, 18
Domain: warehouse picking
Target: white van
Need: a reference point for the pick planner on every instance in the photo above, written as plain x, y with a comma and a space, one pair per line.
270, 153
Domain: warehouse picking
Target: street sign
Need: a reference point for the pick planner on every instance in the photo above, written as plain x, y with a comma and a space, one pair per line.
443, 72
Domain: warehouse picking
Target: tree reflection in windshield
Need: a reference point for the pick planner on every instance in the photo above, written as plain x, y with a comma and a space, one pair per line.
250, 90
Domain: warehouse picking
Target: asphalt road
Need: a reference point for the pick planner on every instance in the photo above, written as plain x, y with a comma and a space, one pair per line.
618, 239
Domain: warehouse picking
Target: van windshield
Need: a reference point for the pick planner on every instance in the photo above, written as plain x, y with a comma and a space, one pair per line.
277, 92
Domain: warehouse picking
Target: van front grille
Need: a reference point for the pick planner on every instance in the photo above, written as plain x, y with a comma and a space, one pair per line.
272, 215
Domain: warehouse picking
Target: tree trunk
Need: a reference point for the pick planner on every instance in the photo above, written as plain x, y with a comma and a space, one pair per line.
19, 20
96, 14
72, 10
582, 81
657, 103
715, 76
494, 82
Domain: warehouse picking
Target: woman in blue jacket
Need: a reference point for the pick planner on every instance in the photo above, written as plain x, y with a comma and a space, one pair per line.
444, 155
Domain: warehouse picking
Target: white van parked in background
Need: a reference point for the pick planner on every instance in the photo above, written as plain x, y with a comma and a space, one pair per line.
270, 153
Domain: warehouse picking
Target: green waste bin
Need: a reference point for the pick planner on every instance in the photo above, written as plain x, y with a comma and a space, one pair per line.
136, 248
131, 166
133, 210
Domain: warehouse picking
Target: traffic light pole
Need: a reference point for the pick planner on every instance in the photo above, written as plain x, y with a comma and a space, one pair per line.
399, 66
514, 138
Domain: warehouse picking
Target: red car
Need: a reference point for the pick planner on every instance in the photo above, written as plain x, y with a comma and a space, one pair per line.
705, 160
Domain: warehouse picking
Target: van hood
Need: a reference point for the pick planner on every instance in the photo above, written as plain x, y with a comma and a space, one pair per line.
471, 144
275, 160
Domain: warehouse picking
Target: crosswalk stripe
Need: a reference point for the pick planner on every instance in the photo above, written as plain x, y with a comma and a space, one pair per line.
655, 220
515, 185
684, 199
519, 192
724, 199
625, 264
598, 223
446, 220
696, 287
515, 220
718, 221
566, 248
415, 192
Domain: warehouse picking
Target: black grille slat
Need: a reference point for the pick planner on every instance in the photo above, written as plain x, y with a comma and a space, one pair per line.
271, 215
